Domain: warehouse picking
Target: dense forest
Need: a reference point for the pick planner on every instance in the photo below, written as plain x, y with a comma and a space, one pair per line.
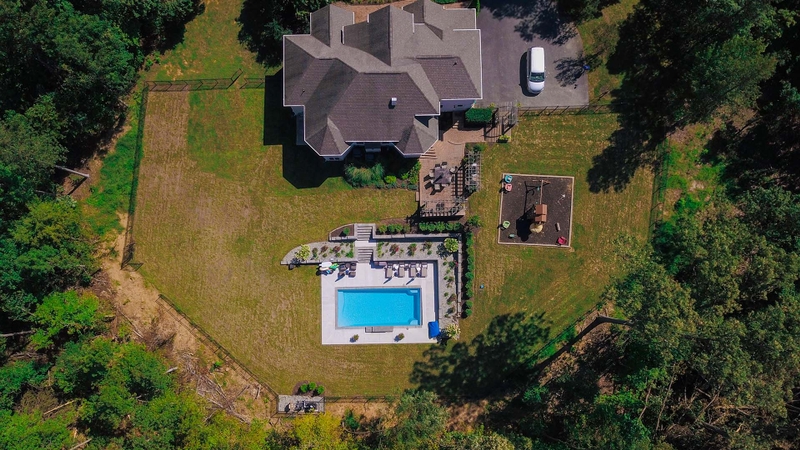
710, 355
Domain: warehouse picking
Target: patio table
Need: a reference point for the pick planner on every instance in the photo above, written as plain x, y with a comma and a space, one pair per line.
441, 176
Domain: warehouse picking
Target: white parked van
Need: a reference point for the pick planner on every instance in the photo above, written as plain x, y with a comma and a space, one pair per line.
536, 72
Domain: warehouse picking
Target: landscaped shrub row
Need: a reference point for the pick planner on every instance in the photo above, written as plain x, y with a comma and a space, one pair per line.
376, 176
479, 116
469, 274
439, 227
394, 228
312, 387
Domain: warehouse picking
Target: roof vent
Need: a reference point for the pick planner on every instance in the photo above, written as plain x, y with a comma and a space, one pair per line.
393, 102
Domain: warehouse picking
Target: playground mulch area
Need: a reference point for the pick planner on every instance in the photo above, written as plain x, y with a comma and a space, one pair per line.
518, 207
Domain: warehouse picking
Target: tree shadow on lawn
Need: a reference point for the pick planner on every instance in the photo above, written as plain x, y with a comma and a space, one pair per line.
302, 167
650, 103
492, 364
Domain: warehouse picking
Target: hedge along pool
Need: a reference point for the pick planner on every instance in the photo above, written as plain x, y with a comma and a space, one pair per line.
378, 307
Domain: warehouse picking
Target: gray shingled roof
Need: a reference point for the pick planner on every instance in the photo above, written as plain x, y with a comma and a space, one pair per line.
344, 74
448, 76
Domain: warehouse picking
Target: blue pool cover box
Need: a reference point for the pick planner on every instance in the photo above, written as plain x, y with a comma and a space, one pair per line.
433, 329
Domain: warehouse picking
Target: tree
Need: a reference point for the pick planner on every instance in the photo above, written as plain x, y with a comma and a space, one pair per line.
29, 150
47, 250
265, 22
65, 314
13, 377
679, 70
475, 440
83, 60
319, 431
419, 421
31, 431
81, 367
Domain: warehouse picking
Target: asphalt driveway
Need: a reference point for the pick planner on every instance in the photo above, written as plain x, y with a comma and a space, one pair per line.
508, 29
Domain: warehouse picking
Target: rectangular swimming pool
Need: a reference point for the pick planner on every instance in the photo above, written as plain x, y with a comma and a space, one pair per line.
378, 307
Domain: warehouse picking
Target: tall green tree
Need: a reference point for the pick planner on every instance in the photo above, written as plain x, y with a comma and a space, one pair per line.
29, 150
419, 421
65, 315
47, 250
683, 61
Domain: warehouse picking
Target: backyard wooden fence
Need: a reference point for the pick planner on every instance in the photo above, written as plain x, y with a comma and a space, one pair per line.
253, 83
507, 115
200, 84
660, 179
598, 108
128, 249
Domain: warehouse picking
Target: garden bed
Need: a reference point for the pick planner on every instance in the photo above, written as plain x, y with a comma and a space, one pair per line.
345, 232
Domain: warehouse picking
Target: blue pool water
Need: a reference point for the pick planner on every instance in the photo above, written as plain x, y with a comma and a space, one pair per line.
378, 307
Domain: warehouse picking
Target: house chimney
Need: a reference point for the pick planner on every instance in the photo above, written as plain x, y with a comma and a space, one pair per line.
393, 102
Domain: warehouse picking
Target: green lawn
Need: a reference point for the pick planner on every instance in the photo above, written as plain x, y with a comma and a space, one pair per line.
217, 210
210, 47
561, 283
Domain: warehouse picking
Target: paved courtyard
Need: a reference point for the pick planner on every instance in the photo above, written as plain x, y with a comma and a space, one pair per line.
508, 29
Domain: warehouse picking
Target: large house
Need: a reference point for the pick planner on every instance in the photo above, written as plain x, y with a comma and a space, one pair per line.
383, 82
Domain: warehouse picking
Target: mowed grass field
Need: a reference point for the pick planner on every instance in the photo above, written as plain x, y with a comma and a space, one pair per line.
215, 215
217, 210
560, 283
209, 47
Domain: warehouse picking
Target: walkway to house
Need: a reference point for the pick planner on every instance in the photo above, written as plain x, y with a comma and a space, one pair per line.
449, 149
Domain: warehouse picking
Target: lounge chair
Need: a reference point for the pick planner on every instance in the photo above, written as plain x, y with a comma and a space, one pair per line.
424, 271
342, 270
401, 272
389, 272
418, 270
352, 266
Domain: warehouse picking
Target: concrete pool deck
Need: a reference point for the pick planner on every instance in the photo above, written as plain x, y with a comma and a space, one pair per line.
368, 276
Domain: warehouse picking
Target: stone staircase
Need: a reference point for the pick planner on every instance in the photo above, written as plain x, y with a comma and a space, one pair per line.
364, 254
363, 231
430, 154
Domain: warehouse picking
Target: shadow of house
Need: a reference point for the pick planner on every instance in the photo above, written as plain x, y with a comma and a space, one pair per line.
301, 166
494, 363
539, 19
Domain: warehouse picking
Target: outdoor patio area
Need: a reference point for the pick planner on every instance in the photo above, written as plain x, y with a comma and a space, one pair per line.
442, 174
372, 276
366, 260
535, 210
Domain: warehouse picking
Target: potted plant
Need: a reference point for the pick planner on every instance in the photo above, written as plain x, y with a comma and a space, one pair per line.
503, 139
400, 337
354, 338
